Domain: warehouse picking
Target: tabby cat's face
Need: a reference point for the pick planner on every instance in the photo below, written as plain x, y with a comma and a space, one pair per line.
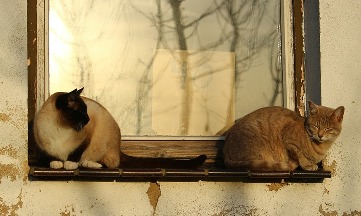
324, 124
73, 109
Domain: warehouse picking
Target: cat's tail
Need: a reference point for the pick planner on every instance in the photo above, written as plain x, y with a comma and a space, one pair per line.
128, 161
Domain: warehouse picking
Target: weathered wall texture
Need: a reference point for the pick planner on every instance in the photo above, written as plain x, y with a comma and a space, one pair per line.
341, 85
340, 195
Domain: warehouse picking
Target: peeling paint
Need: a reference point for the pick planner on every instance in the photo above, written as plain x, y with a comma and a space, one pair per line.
4, 117
223, 212
11, 209
240, 210
17, 117
299, 56
326, 191
326, 212
9, 171
10, 151
330, 167
69, 211
276, 186
352, 213
154, 193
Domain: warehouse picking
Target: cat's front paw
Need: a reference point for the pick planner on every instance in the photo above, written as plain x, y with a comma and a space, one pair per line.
70, 165
56, 164
90, 164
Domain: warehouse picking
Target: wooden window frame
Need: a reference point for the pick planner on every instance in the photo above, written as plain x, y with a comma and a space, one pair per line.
293, 52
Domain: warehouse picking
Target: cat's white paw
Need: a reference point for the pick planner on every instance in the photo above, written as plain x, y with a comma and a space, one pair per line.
56, 164
90, 164
70, 165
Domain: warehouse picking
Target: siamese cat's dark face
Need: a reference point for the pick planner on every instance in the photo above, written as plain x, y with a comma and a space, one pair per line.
73, 109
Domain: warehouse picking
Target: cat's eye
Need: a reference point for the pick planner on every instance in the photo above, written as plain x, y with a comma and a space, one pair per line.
314, 126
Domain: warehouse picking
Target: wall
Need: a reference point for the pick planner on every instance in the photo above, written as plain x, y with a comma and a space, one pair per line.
340, 195
341, 85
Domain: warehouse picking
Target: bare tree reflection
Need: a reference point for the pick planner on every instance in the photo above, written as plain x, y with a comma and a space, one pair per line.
145, 84
240, 22
73, 16
186, 78
178, 28
239, 14
239, 27
276, 69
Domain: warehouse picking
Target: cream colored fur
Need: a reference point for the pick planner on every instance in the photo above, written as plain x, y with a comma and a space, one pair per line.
101, 135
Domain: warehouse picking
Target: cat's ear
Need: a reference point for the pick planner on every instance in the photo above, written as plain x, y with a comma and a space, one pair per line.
80, 91
313, 109
74, 91
337, 114
72, 95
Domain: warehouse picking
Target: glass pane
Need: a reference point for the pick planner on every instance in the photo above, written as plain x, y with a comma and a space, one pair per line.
169, 67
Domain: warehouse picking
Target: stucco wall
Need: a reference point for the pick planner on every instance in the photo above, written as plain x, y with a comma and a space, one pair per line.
341, 85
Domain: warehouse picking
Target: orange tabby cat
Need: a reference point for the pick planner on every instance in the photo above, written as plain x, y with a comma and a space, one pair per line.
275, 138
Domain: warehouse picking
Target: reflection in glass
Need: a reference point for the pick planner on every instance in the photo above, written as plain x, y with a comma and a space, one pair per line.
169, 67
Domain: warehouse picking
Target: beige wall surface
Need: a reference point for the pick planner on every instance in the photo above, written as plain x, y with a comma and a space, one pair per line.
340, 195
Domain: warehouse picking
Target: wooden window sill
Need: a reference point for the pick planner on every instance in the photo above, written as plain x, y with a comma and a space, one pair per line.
212, 174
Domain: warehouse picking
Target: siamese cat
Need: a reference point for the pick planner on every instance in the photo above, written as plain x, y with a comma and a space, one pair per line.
71, 126
276, 138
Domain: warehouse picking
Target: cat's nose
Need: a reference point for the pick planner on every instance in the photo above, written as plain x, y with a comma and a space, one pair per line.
321, 134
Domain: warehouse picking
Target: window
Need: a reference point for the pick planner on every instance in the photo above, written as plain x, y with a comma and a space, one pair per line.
168, 71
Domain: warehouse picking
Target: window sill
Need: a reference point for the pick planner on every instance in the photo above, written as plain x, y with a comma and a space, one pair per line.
38, 173
212, 170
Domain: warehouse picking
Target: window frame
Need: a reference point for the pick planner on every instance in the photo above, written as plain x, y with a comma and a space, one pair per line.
293, 60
